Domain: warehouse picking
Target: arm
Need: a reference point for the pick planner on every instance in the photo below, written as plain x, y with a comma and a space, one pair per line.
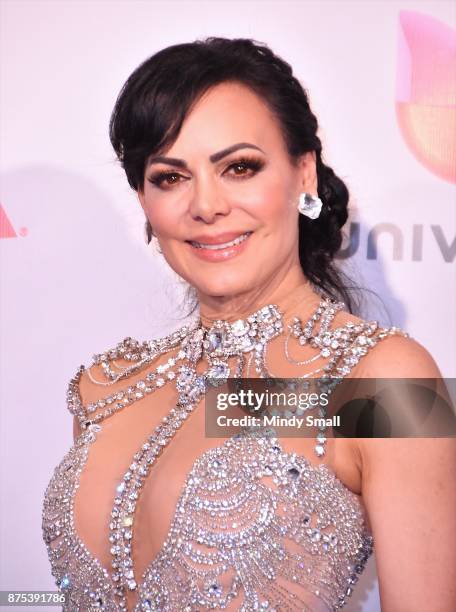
409, 489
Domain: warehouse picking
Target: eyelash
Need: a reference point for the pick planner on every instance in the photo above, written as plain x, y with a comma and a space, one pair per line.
250, 163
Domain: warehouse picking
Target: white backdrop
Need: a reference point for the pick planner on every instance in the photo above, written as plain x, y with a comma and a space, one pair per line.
76, 276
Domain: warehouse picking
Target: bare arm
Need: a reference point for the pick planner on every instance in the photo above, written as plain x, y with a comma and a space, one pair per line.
409, 489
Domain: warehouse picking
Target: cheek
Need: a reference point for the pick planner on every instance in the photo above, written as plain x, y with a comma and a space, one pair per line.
163, 215
273, 205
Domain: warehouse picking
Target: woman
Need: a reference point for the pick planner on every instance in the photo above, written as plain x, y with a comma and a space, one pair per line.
218, 140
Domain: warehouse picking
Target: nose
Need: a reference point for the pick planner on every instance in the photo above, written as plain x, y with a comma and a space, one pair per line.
208, 202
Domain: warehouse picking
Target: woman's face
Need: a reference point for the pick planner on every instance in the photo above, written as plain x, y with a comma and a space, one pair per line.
227, 177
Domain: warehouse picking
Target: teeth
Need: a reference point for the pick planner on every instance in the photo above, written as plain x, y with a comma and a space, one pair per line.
216, 247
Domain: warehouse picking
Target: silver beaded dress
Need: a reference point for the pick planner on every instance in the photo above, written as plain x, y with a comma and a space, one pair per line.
241, 523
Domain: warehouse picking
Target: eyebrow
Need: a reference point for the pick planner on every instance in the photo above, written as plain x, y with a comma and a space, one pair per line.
215, 157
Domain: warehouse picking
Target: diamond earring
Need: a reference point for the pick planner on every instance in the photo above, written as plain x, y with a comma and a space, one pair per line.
309, 205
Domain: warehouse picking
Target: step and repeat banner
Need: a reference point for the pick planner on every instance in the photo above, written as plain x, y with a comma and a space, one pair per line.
76, 273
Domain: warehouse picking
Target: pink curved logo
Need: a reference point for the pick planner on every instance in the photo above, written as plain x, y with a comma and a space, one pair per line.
6, 227
426, 91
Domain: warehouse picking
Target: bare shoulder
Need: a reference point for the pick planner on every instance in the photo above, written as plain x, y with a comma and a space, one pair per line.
397, 356
394, 355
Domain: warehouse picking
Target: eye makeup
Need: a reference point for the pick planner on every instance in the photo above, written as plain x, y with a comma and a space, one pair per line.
253, 165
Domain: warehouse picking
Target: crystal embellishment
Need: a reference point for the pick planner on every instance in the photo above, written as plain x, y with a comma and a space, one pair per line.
241, 502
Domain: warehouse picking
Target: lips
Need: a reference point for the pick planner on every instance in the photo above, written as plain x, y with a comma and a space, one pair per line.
223, 241
221, 247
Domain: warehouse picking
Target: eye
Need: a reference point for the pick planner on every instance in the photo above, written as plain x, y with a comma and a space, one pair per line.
169, 178
246, 167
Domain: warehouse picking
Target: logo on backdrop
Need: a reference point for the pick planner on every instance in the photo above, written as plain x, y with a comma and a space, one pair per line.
6, 227
426, 91
396, 237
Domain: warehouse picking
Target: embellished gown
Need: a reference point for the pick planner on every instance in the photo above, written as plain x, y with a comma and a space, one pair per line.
249, 522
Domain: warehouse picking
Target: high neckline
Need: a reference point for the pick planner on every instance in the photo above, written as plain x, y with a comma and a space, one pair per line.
303, 300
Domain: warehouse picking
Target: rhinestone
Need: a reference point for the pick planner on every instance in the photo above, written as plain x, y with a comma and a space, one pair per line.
214, 589
240, 327
294, 472
215, 339
220, 370
65, 582
315, 536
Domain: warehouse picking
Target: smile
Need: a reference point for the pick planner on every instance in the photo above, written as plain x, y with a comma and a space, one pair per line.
212, 250
223, 245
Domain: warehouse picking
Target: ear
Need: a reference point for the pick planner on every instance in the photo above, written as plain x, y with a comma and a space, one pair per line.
308, 172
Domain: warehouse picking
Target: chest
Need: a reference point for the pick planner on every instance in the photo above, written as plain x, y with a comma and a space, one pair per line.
234, 503
111, 454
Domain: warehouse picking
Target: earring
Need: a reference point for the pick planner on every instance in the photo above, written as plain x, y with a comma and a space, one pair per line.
309, 205
148, 232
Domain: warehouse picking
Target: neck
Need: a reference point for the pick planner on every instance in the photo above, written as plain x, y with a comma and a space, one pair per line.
293, 295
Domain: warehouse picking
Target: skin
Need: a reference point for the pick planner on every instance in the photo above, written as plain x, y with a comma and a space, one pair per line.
407, 485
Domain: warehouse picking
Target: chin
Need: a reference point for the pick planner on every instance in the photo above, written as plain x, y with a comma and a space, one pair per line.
223, 284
